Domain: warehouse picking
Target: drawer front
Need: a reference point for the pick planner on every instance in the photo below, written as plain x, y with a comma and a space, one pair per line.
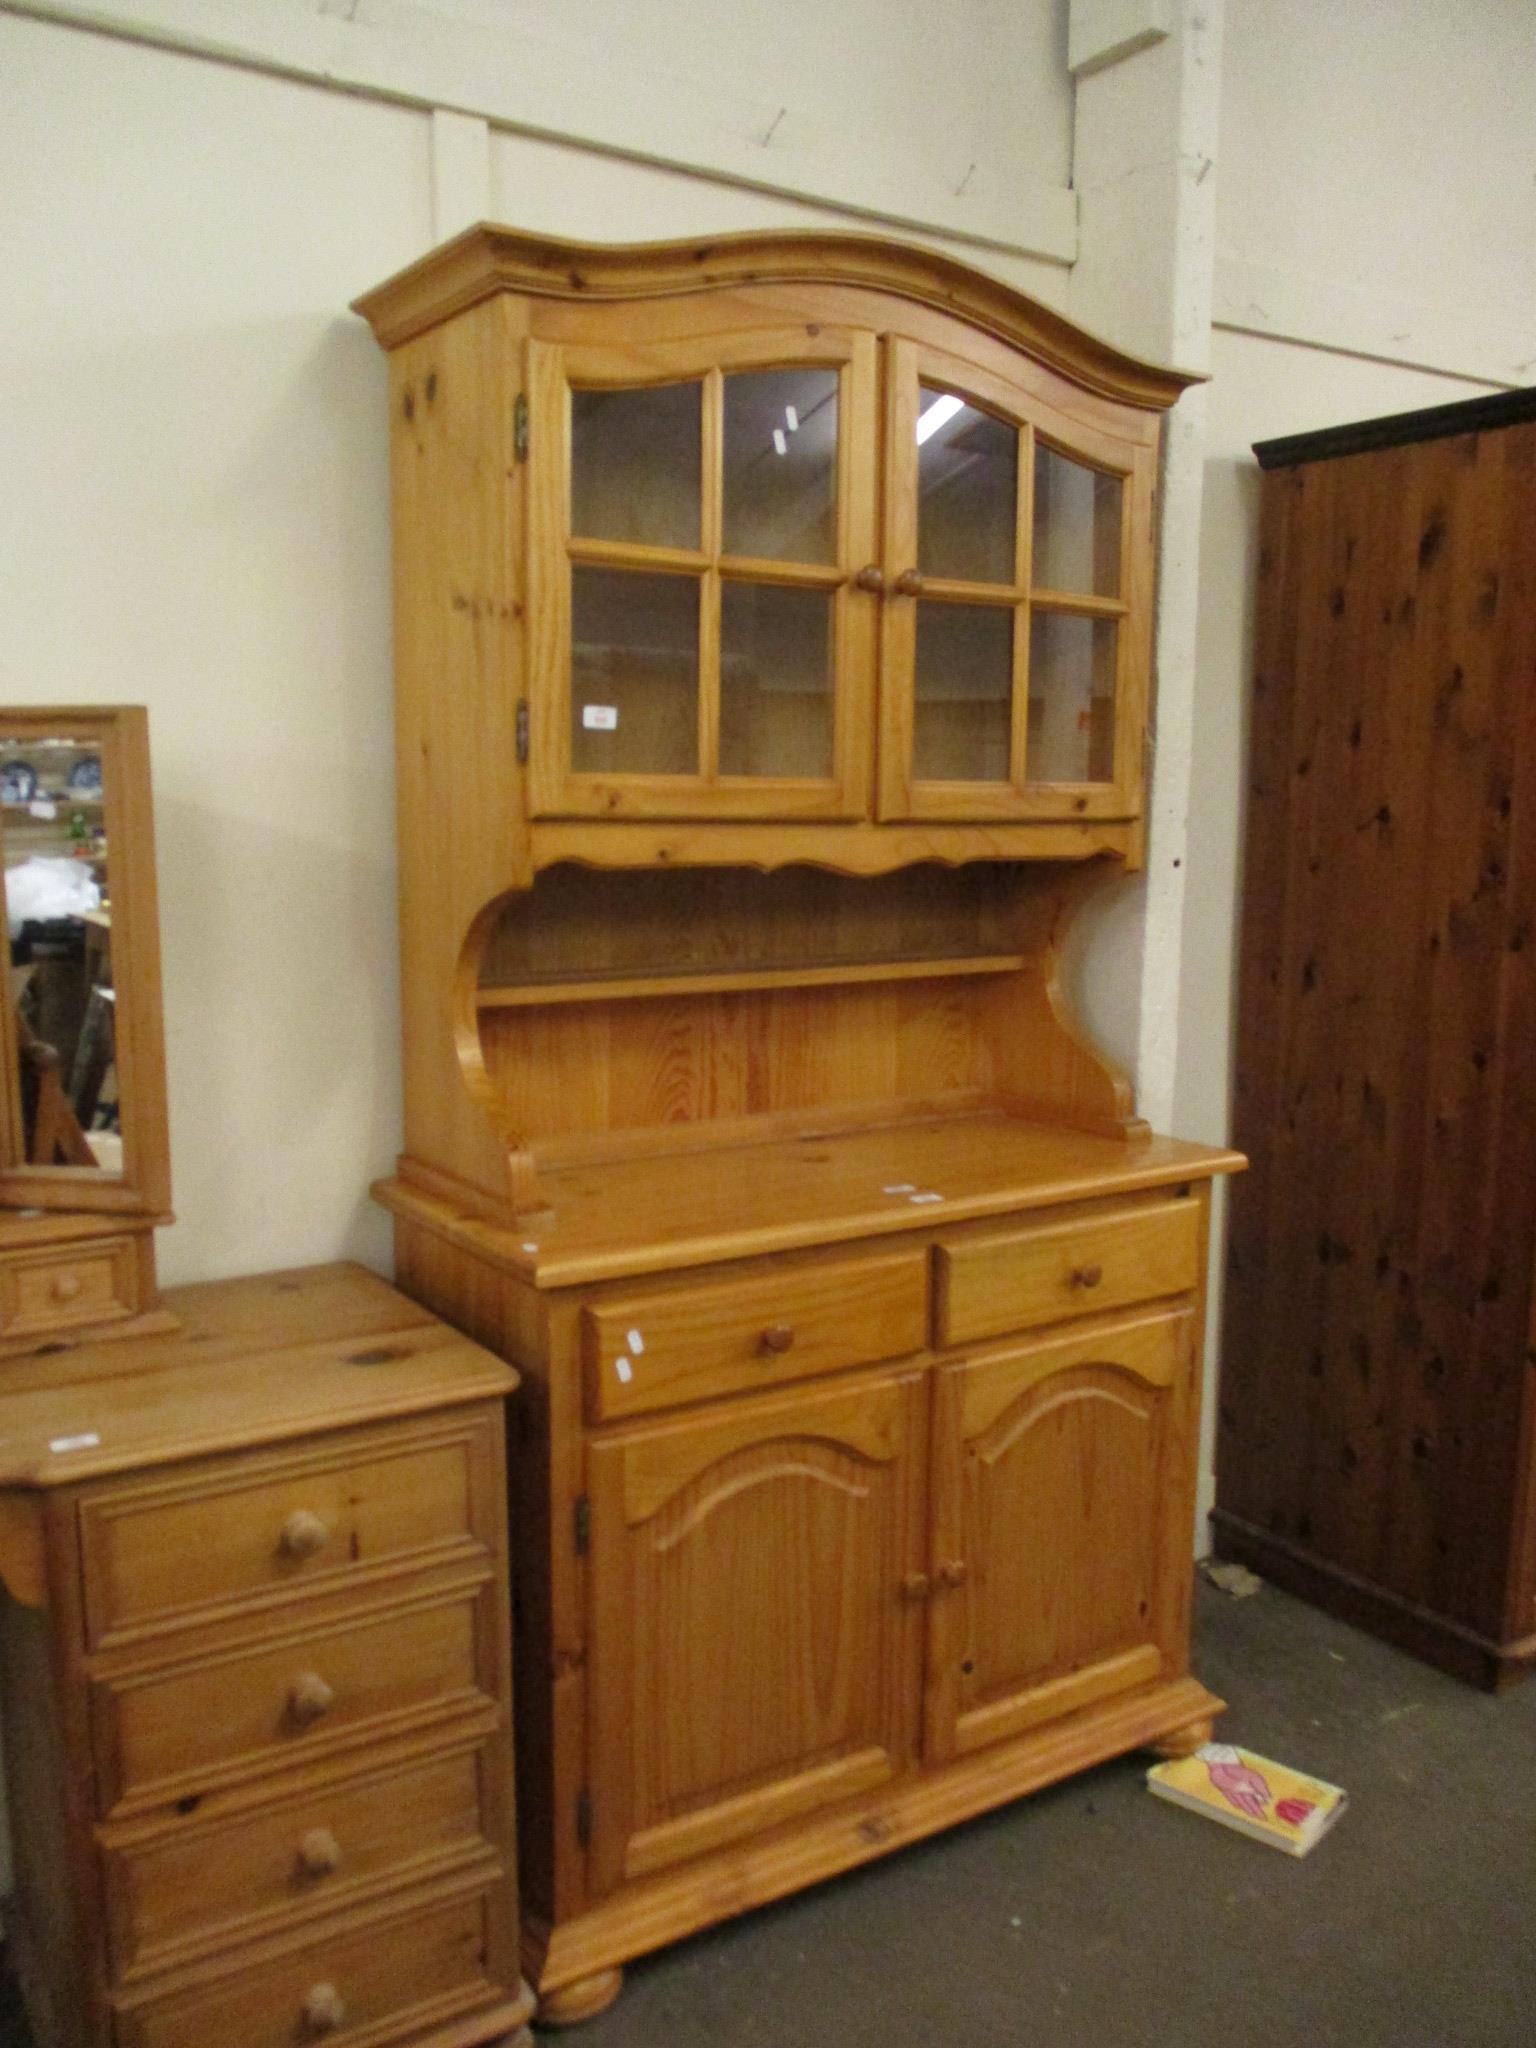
63, 1287
1010, 1280
255, 1525
193, 1887
390, 1979
658, 1350
167, 1733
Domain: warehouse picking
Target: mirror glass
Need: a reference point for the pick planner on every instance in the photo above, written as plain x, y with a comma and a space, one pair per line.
58, 903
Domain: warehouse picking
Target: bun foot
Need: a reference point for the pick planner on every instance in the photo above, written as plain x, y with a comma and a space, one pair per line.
583, 2000
1186, 1740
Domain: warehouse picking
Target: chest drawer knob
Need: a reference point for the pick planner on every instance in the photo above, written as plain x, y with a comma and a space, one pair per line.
319, 1853
309, 1697
303, 1534
953, 1573
915, 1586
1087, 1276
66, 1286
776, 1339
323, 2009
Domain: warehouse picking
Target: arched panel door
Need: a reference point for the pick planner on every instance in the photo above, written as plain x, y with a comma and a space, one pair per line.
1062, 1526
753, 1652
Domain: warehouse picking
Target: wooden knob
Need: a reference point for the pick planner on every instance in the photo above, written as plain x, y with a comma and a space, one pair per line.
909, 584
319, 1853
777, 1337
953, 1573
65, 1286
915, 1586
303, 1534
1087, 1276
871, 577
323, 2009
309, 1697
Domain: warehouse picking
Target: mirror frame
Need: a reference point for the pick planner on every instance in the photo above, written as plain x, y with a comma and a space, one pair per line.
143, 1187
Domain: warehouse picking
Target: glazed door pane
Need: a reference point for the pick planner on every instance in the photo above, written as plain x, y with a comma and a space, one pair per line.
777, 677
751, 1655
1062, 1527
1073, 662
636, 461
701, 648
1077, 526
780, 461
967, 490
962, 725
634, 673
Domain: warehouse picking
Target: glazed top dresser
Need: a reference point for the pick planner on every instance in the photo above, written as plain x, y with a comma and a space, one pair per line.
773, 629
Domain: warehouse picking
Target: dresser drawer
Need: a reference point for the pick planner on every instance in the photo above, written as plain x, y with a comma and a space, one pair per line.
1009, 1280
392, 1978
660, 1349
259, 1524
64, 1286
199, 1885
177, 1730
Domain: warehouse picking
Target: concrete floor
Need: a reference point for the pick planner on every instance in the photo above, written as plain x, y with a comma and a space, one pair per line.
1093, 1916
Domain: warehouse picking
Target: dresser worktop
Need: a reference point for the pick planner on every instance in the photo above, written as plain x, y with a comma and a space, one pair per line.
654, 1214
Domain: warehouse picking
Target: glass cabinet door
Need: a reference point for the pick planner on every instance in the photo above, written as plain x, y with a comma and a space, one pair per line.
1012, 671
699, 513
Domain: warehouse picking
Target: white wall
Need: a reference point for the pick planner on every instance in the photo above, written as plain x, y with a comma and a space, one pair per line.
195, 517
1377, 184
1376, 229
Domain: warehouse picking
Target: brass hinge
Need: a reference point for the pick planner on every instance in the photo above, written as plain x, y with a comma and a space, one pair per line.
583, 1526
584, 1818
522, 729
520, 427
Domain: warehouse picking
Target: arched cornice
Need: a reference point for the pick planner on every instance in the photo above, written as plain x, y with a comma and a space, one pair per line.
488, 259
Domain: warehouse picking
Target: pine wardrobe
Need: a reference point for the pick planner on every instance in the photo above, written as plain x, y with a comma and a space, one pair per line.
1378, 1414
773, 625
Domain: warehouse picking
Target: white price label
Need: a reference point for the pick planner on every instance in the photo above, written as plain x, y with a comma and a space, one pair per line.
600, 717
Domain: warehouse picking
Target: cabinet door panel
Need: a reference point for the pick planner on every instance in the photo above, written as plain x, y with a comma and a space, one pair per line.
752, 1656
1062, 1520
1016, 639
697, 511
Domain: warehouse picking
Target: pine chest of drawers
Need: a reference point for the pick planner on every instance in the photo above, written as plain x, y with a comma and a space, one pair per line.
255, 1678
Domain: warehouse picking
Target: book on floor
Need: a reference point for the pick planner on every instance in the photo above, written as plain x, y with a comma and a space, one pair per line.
1253, 1794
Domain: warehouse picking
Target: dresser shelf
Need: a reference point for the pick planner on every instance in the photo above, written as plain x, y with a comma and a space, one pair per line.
728, 981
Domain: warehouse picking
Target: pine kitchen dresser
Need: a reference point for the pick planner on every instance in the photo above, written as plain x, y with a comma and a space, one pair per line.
254, 1677
773, 624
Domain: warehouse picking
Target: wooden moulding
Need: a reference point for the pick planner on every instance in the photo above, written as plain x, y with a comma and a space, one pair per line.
488, 259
